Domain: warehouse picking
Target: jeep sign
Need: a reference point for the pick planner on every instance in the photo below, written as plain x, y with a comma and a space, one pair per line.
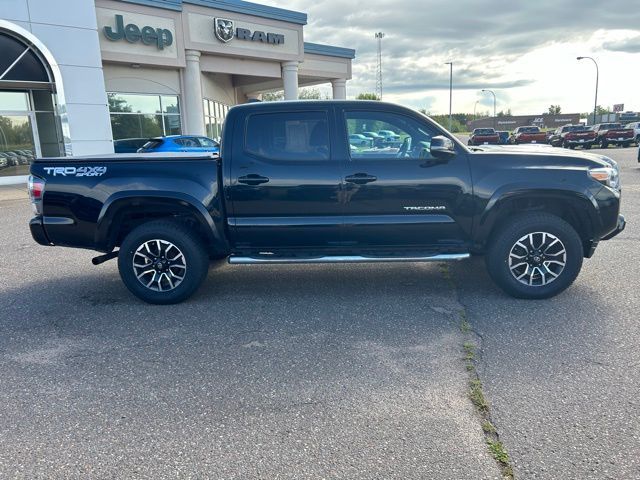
132, 33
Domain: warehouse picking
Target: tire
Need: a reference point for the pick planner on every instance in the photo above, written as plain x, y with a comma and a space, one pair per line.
183, 252
587, 147
604, 144
503, 256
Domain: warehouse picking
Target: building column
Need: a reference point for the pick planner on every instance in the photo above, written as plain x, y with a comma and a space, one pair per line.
290, 79
193, 113
339, 86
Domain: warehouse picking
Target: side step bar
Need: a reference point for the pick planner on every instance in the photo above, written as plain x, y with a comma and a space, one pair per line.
445, 257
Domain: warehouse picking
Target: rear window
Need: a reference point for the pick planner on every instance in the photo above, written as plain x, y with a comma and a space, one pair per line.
610, 126
288, 135
576, 128
529, 130
151, 144
484, 131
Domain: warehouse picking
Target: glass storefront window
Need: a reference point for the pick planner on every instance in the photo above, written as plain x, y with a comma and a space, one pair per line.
14, 101
17, 146
214, 115
144, 116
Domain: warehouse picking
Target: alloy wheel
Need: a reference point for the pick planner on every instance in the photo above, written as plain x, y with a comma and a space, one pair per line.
159, 265
537, 259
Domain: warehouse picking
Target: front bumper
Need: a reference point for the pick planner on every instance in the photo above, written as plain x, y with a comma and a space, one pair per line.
37, 231
619, 228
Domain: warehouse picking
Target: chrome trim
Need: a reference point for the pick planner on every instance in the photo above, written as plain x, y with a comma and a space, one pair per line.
446, 257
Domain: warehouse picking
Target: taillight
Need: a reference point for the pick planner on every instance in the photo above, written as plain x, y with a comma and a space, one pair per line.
36, 192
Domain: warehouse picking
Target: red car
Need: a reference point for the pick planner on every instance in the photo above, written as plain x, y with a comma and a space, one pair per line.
613, 133
484, 136
529, 134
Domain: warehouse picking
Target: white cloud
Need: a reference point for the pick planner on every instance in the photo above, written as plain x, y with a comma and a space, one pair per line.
525, 51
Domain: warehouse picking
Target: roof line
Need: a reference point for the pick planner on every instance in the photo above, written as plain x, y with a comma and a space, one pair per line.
329, 50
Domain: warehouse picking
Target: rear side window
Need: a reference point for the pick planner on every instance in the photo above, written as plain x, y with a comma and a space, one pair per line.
288, 135
187, 142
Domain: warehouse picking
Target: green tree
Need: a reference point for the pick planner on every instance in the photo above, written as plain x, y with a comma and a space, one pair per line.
554, 109
367, 96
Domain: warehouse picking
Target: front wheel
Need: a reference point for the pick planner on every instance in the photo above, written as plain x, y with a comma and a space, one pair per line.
536, 256
162, 262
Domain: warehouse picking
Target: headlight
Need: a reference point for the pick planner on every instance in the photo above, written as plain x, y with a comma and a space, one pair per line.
607, 176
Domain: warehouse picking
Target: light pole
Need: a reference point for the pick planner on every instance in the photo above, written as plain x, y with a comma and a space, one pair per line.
494, 105
379, 37
450, 91
595, 104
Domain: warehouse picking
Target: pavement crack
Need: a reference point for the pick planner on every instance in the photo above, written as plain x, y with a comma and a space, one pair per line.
472, 347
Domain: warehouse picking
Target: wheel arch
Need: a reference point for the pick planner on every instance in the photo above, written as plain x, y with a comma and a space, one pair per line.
577, 209
124, 211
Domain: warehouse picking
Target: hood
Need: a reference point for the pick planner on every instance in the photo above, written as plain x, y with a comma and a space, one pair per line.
601, 160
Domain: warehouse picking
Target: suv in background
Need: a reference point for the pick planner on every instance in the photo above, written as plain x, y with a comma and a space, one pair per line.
180, 143
503, 136
571, 136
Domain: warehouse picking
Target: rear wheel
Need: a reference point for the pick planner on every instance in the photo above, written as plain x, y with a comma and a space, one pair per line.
604, 144
536, 256
161, 262
587, 147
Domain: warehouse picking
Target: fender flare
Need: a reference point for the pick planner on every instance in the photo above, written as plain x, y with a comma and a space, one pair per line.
116, 202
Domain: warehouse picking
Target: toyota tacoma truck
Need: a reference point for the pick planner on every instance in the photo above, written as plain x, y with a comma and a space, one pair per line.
613, 134
288, 189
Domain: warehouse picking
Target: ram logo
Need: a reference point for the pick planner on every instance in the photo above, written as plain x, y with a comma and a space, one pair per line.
76, 171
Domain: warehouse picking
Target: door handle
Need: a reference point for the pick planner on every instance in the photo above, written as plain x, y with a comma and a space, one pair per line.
360, 178
253, 179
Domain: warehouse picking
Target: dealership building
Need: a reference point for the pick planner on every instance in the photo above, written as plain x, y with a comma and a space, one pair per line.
511, 122
75, 75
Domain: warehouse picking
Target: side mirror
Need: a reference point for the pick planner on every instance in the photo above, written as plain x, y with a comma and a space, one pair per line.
441, 145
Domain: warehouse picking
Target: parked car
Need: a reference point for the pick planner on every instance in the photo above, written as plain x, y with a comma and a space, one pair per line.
180, 143
129, 145
635, 126
530, 134
8, 161
389, 135
288, 189
359, 140
484, 136
4, 163
503, 137
571, 136
18, 158
376, 140
613, 133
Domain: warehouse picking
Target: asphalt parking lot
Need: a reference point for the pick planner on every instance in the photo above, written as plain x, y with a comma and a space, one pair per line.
342, 371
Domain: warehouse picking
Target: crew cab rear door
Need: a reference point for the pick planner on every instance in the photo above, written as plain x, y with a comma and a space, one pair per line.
403, 198
284, 180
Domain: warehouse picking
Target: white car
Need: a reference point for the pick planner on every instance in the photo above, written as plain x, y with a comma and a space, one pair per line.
636, 130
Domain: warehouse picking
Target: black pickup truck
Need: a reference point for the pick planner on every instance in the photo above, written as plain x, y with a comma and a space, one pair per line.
289, 188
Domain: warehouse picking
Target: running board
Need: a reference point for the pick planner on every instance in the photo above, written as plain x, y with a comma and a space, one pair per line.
445, 257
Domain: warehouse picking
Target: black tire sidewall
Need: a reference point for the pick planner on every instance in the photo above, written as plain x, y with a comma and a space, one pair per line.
195, 255
498, 254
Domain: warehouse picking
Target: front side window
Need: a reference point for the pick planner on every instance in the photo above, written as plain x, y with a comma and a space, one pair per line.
143, 116
400, 136
288, 135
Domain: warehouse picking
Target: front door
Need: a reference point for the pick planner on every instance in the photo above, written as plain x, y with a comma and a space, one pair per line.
285, 181
399, 196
